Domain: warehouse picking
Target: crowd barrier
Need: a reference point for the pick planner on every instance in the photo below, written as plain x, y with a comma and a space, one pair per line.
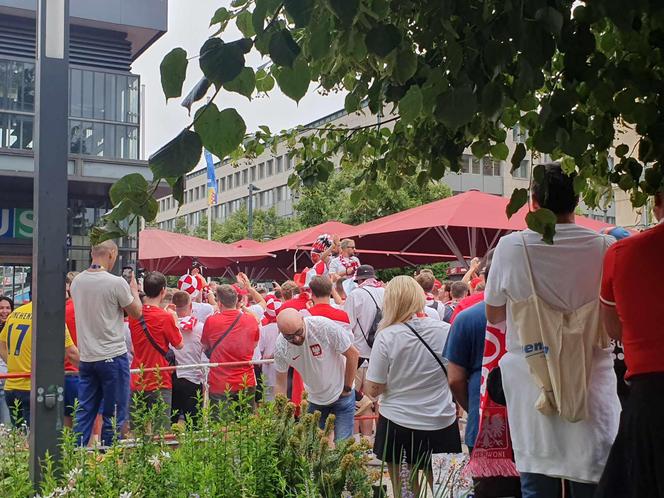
203, 366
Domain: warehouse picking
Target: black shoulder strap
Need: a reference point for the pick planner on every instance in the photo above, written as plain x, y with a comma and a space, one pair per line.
150, 338
440, 362
223, 336
372, 298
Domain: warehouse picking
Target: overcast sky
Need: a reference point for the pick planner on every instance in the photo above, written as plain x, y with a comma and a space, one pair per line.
188, 22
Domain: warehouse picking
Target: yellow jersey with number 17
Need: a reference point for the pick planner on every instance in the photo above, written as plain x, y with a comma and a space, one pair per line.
17, 334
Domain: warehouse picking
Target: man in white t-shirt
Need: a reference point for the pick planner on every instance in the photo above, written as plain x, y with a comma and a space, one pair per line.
187, 384
361, 306
322, 353
100, 299
566, 276
346, 264
433, 308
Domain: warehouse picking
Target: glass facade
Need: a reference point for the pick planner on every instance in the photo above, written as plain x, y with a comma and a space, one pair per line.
103, 110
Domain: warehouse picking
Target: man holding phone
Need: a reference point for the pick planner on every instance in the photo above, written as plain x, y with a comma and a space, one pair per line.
100, 299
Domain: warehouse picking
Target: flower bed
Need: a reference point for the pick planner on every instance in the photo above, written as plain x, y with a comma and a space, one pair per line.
266, 454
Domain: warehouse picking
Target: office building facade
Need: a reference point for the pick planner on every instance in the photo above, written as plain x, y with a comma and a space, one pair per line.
104, 121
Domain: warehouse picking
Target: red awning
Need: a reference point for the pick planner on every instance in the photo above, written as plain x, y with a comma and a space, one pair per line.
173, 253
457, 227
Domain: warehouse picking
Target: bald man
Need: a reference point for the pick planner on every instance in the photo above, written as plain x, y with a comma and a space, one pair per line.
100, 299
324, 355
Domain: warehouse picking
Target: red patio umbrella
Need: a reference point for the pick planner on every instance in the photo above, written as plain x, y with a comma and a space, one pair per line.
458, 227
174, 253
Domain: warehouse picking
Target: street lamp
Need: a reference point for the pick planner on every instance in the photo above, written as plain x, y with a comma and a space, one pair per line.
250, 210
49, 261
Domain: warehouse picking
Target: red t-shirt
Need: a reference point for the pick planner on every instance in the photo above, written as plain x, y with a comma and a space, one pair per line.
633, 282
239, 345
165, 333
70, 321
467, 302
330, 312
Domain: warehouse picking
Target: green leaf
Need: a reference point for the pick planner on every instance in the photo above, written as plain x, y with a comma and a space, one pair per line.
653, 178
518, 156
244, 83
294, 82
222, 62
351, 103
345, 10
406, 65
542, 221
382, 39
108, 230
320, 42
264, 81
456, 107
300, 11
196, 93
220, 17
173, 69
221, 132
410, 105
551, 19
244, 24
580, 184
178, 157
283, 49
120, 211
132, 187
518, 199
622, 150
148, 209
492, 100
480, 148
500, 152
568, 165
177, 188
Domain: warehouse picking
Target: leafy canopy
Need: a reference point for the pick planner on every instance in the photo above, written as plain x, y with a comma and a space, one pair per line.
447, 75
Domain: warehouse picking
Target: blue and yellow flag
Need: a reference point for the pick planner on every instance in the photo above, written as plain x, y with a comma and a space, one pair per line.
211, 180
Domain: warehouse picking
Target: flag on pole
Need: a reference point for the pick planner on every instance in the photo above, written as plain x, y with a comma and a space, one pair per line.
211, 179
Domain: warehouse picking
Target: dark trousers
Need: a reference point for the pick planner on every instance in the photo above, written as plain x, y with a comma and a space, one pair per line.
635, 468
18, 403
107, 380
186, 396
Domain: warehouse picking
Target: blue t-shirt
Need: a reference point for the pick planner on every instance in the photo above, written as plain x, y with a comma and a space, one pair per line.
465, 347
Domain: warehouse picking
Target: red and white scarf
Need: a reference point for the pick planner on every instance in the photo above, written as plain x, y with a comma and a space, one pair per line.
492, 454
187, 323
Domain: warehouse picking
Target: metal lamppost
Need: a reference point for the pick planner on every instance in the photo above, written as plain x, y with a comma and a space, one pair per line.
49, 260
250, 210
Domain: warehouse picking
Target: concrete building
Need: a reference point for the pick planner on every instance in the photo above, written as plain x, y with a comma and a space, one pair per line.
269, 172
104, 120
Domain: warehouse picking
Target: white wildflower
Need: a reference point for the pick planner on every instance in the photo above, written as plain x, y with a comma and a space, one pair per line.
155, 462
126, 494
165, 455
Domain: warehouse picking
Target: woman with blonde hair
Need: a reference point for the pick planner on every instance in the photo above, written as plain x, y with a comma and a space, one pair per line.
417, 413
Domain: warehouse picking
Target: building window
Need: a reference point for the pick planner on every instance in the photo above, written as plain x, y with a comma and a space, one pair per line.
245, 177
491, 167
476, 168
236, 181
280, 164
270, 167
465, 163
522, 170
519, 135
261, 171
229, 182
253, 174
280, 194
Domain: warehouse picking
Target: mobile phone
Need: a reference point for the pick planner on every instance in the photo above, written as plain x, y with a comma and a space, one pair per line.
127, 273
